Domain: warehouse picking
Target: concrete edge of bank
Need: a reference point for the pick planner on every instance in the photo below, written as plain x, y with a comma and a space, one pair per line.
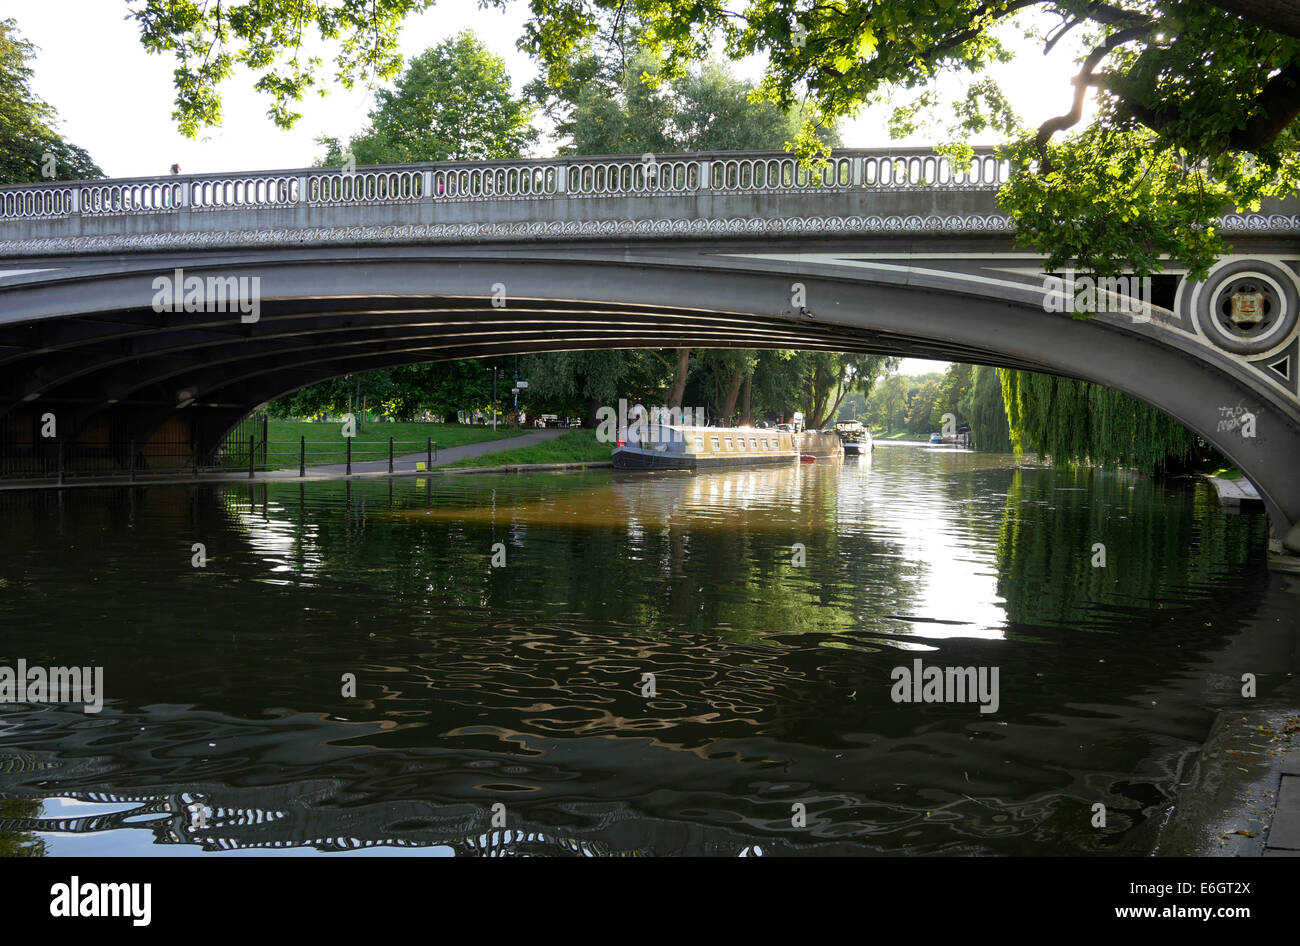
1242, 795
290, 476
520, 468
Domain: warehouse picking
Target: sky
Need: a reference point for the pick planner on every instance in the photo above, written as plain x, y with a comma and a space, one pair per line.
115, 99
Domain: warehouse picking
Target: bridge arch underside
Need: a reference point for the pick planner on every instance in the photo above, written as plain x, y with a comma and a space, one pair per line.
95, 352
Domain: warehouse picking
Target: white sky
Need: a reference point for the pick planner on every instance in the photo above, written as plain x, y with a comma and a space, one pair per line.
115, 100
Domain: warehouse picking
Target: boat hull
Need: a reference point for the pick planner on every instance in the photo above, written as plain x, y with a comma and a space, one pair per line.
633, 459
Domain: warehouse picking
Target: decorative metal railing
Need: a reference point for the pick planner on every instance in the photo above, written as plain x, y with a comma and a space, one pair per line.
614, 176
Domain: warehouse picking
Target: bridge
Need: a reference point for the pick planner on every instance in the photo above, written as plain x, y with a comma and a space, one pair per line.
148, 309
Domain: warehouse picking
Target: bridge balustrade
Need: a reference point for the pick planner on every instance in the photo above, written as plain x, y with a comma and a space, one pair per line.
741, 172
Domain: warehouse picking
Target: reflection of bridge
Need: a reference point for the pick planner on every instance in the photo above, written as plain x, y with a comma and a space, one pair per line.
193, 818
365, 268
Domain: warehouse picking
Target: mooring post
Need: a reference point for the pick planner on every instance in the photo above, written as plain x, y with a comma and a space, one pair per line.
349, 443
251, 448
390, 456
428, 454
60, 461
302, 455
131, 463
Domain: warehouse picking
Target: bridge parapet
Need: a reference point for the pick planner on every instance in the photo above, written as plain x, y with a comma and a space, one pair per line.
751, 172
675, 196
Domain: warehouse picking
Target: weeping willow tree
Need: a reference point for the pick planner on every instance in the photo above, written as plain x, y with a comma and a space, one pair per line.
1077, 422
982, 408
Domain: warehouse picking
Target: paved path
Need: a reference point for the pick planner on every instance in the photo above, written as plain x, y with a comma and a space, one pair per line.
1242, 794
401, 465
1284, 831
406, 464
1237, 494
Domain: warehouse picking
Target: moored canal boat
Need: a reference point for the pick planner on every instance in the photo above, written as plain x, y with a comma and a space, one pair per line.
705, 448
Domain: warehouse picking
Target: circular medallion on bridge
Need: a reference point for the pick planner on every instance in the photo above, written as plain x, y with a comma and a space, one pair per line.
1248, 306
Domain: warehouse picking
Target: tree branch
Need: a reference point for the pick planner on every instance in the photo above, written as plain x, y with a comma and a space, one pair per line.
958, 38
1081, 82
1276, 107
1279, 16
1113, 16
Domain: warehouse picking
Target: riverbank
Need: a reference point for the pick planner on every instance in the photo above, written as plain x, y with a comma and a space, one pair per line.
325, 443
1242, 797
1235, 492
572, 446
539, 450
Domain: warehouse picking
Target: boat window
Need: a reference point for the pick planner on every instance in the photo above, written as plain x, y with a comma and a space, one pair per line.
716, 446
753, 443
741, 443
765, 443
729, 446
699, 444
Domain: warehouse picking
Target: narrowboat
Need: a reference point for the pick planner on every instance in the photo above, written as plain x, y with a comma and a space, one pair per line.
671, 447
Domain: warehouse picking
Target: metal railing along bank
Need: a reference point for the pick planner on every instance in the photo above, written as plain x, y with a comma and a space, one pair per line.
613, 176
61, 460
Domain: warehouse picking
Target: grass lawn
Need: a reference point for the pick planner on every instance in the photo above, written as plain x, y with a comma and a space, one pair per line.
1228, 473
576, 446
902, 434
325, 440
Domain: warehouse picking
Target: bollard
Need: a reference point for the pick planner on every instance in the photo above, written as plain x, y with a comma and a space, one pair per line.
349, 443
302, 456
390, 456
428, 454
250, 456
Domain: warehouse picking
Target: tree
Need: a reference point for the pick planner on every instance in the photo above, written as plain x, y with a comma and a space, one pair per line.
584, 381
956, 382
352, 393
725, 372
452, 103
1077, 422
706, 109
826, 377
887, 403
210, 40
983, 409
920, 401
31, 149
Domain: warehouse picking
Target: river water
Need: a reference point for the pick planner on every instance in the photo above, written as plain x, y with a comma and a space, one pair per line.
509, 709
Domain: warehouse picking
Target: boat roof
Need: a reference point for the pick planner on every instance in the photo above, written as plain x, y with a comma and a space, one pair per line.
722, 430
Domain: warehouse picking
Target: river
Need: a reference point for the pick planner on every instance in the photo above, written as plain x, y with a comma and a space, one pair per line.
665, 664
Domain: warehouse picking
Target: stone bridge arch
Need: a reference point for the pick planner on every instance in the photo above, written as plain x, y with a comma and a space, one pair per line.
722, 251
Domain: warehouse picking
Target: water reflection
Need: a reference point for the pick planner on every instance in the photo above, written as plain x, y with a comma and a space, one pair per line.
523, 685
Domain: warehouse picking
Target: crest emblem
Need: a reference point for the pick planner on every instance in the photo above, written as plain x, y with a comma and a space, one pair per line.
1247, 308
